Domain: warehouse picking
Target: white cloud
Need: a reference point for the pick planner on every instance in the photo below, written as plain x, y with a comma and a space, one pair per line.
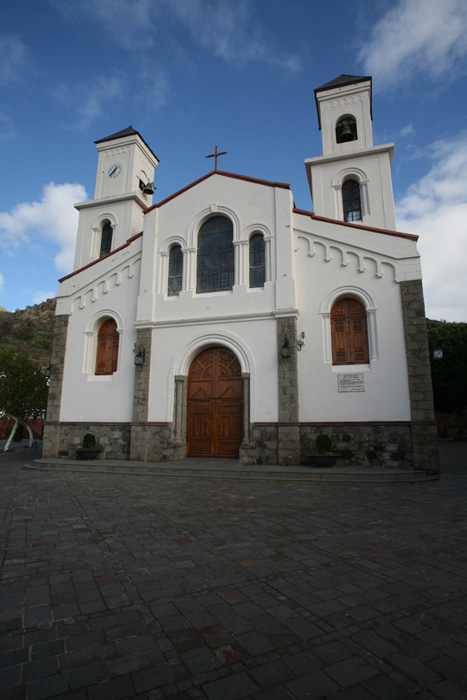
1, 282
53, 217
416, 36
89, 101
435, 208
40, 296
12, 58
224, 28
127, 21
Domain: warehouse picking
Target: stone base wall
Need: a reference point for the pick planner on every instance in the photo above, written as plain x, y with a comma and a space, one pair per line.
62, 439
358, 444
153, 442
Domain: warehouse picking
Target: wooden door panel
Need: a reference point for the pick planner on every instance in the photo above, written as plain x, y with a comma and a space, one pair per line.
215, 406
229, 428
229, 389
200, 424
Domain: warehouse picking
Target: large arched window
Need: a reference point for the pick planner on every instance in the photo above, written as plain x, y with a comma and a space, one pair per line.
346, 129
257, 260
175, 271
215, 272
106, 239
107, 347
349, 333
351, 201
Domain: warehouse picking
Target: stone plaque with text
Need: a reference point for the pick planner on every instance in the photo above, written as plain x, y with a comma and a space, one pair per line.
350, 382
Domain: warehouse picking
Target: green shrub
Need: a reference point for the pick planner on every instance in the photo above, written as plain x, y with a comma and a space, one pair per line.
323, 444
89, 442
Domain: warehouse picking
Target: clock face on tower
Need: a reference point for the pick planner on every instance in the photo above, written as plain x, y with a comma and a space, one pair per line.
114, 170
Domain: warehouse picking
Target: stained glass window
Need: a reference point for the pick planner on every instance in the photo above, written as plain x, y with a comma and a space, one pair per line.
175, 271
215, 271
257, 260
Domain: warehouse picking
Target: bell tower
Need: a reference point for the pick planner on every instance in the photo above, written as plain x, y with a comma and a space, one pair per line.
124, 189
351, 181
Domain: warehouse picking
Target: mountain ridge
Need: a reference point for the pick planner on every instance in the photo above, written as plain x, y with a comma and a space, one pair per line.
30, 330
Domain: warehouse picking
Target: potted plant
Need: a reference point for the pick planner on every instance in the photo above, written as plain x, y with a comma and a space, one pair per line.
324, 456
89, 449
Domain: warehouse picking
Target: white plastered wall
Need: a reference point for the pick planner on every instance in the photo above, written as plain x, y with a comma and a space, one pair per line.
253, 342
332, 262
251, 207
241, 319
90, 299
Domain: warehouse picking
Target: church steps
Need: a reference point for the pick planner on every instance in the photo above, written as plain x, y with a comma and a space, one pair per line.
231, 469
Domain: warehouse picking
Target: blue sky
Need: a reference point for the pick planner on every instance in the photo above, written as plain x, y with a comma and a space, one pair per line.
190, 74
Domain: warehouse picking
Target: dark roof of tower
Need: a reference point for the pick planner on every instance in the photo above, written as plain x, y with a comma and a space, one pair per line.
129, 131
343, 80
340, 81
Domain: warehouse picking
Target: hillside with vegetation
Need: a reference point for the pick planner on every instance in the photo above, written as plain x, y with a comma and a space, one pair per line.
30, 330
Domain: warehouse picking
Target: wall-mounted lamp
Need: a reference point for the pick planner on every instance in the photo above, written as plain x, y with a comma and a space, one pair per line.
438, 354
140, 355
285, 349
301, 341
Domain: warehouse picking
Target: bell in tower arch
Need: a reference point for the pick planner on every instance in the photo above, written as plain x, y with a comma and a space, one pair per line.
346, 129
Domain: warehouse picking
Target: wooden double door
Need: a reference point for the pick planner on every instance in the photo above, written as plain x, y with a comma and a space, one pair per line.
214, 404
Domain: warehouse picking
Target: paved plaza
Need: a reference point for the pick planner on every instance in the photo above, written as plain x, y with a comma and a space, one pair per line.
150, 587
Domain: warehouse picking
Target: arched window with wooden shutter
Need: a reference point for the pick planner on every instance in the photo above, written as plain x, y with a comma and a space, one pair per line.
349, 333
107, 348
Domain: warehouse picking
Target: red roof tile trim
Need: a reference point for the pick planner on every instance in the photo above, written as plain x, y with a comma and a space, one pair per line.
268, 183
312, 215
94, 262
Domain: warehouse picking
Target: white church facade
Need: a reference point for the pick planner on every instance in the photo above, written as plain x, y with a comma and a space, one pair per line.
224, 322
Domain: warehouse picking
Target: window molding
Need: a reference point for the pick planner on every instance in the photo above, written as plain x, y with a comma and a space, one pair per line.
175, 270
90, 342
191, 246
96, 237
337, 183
245, 266
164, 254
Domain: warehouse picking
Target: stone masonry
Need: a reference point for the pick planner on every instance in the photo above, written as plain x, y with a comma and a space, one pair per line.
423, 427
139, 428
288, 432
52, 427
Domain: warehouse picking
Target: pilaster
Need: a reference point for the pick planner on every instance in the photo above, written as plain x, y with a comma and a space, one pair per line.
139, 433
425, 447
57, 363
288, 452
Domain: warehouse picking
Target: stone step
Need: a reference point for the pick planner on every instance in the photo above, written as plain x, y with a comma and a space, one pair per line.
231, 469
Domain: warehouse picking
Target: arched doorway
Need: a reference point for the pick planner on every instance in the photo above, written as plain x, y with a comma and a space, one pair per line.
214, 404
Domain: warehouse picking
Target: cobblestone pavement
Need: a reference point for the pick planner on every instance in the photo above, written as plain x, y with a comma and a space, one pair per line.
155, 587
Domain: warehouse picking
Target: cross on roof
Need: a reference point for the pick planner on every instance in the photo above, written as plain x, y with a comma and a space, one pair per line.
216, 155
